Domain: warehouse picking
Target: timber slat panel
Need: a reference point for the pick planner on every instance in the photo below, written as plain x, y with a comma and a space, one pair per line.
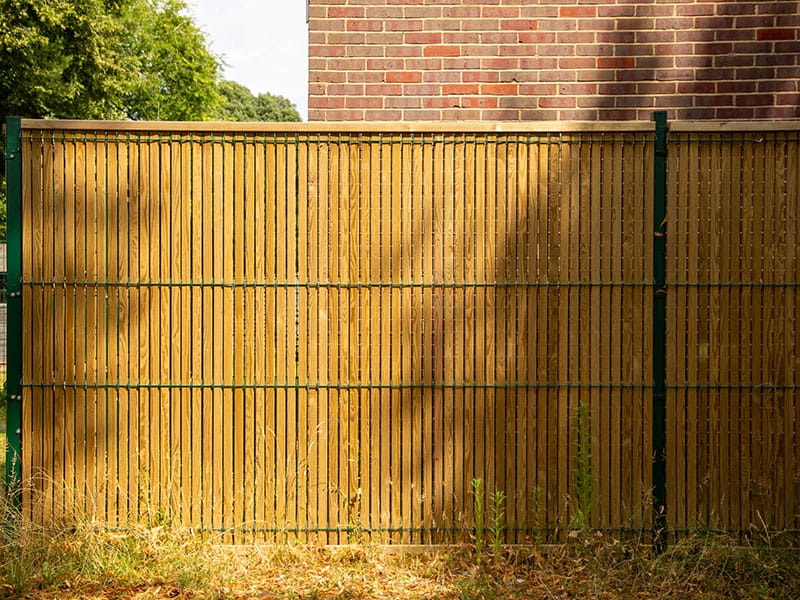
329, 337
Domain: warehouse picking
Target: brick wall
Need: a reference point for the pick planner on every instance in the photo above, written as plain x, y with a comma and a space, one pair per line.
508, 60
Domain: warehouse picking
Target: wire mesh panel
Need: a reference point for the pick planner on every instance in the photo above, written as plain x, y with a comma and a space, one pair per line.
732, 331
330, 336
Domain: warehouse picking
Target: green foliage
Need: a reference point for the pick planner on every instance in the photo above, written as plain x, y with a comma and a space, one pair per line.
137, 59
585, 486
497, 513
241, 105
478, 509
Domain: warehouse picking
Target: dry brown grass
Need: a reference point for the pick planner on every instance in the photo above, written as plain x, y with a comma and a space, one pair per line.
87, 562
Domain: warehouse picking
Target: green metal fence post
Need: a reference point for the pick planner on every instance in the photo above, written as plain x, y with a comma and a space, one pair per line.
14, 309
659, 333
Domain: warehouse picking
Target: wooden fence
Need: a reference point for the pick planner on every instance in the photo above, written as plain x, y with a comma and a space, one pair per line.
328, 332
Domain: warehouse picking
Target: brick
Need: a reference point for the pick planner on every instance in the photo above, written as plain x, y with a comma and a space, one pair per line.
479, 102
325, 102
634, 24
518, 50
777, 86
690, 114
421, 115
382, 115
574, 12
462, 114
518, 102
558, 25
501, 115
696, 87
774, 8
734, 60
519, 25
441, 51
403, 102
736, 8
644, 37
715, 100
403, 77
633, 101
460, 89
506, 89
793, 99
635, 75
481, 76
437, 75
617, 115
538, 89
577, 89
499, 63
537, 37
762, 21
364, 77
777, 112
755, 100
495, 37
577, 63
775, 34
461, 12
577, 115
596, 102
314, 51
787, 47
537, 114
713, 22
501, 12
674, 23
439, 102
615, 62
734, 113
672, 49
674, 101
735, 87
616, 11
384, 12
755, 73
714, 74
421, 89
656, 87
402, 25
364, 25
364, 102
718, 48
674, 75
597, 24
453, 37
428, 37
403, 51
616, 37
337, 12
538, 62
735, 35
617, 88
557, 102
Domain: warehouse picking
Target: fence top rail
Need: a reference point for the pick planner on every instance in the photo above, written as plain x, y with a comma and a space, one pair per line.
340, 127
732, 126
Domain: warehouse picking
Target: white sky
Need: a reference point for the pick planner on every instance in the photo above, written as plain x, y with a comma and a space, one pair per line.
263, 42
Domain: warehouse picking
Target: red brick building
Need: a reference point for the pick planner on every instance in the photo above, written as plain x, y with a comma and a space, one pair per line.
509, 60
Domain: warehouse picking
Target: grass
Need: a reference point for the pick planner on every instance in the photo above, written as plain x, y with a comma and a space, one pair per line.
87, 562
82, 561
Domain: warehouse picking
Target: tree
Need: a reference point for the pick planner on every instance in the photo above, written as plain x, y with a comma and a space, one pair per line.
241, 105
136, 59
